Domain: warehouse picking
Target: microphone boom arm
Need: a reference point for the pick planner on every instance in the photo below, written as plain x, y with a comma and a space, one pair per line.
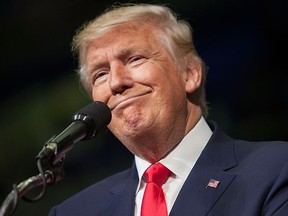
51, 175
87, 122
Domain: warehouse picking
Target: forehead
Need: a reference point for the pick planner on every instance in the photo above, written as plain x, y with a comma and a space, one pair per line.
124, 38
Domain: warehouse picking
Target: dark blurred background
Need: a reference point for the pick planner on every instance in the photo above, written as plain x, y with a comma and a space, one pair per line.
244, 43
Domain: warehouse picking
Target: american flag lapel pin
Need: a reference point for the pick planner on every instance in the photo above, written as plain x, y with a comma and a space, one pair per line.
213, 183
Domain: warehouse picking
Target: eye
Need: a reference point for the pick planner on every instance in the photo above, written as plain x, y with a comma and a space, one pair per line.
100, 76
136, 60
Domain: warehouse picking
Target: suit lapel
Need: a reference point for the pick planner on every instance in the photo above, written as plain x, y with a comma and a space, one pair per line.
195, 196
122, 201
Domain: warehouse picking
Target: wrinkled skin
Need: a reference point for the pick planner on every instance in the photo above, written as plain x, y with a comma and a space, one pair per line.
134, 74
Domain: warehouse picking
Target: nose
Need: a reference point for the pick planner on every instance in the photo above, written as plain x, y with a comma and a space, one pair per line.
120, 78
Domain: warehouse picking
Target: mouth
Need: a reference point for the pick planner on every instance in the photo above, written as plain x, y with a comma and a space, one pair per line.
120, 101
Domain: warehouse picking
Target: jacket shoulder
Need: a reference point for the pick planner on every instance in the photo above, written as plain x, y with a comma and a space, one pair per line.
92, 199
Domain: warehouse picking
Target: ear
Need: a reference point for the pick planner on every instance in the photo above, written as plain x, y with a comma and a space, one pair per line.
193, 76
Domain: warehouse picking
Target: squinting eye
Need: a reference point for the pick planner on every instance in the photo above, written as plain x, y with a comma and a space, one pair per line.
100, 76
136, 59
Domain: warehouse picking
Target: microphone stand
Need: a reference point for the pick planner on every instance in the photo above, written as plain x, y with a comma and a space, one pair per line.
51, 158
50, 172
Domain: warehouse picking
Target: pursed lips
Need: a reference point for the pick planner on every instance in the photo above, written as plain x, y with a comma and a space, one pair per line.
120, 100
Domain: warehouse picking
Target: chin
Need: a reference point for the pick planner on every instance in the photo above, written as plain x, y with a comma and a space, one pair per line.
134, 130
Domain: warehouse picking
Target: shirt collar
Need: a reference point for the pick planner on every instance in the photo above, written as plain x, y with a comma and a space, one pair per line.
183, 158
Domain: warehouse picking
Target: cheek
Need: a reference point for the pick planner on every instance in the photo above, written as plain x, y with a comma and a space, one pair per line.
100, 94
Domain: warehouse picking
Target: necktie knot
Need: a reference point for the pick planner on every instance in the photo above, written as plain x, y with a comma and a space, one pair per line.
157, 173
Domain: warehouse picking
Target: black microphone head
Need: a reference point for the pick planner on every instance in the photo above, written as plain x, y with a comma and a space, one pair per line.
96, 116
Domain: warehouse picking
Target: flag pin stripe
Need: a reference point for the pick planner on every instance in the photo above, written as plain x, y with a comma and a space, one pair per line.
213, 183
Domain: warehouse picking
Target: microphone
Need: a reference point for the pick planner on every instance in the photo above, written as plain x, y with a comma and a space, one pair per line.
85, 125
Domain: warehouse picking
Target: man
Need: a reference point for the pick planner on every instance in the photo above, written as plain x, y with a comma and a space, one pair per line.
140, 60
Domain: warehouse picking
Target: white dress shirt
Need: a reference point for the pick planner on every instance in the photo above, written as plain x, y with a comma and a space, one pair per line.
180, 161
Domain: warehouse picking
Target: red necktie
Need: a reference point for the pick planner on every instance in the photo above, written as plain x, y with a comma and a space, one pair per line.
153, 203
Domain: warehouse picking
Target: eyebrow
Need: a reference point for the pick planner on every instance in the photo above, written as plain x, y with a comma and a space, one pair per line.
96, 64
121, 54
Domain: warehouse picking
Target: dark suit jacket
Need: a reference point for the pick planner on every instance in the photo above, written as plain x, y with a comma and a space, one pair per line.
253, 181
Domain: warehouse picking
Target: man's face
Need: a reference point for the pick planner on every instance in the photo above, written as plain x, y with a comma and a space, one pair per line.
133, 73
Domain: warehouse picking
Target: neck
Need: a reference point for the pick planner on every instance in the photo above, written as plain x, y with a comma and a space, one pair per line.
161, 143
